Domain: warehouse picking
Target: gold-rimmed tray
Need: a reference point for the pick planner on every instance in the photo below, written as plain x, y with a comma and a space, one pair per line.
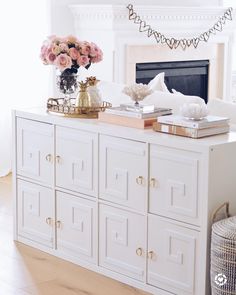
57, 106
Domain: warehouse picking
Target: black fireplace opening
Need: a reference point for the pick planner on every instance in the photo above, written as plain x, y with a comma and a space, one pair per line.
187, 77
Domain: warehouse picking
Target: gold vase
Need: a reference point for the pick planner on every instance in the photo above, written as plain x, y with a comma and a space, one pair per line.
83, 99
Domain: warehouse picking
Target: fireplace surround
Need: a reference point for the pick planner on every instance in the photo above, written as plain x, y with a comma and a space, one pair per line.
124, 46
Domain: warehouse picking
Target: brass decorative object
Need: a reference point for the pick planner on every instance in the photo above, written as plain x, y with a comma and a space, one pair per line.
83, 99
56, 106
174, 43
92, 81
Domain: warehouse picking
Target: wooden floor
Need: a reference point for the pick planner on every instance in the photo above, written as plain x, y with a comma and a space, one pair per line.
24, 270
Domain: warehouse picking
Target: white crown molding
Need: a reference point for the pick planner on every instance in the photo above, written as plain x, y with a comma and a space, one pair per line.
116, 16
148, 11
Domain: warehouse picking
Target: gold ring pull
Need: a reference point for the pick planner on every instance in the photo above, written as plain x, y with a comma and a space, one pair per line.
58, 224
151, 254
140, 180
48, 157
58, 159
139, 251
49, 220
153, 182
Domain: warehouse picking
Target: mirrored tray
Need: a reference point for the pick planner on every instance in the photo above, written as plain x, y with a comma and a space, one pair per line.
56, 106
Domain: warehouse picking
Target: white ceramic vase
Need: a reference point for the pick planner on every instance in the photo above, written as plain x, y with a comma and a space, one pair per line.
95, 96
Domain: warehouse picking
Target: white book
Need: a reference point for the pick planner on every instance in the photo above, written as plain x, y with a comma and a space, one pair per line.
190, 132
144, 108
120, 111
209, 121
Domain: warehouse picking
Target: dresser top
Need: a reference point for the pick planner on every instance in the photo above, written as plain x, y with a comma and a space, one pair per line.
147, 135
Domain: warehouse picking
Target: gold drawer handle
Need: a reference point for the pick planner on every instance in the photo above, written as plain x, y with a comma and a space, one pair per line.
153, 182
48, 158
139, 251
151, 255
140, 180
58, 224
58, 159
49, 220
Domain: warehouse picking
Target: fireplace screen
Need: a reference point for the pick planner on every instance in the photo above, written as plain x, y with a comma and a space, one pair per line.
187, 77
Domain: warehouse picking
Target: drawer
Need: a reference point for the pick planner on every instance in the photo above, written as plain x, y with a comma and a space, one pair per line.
76, 160
122, 241
35, 150
174, 182
76, 230
172, 253
123, 172
35, 209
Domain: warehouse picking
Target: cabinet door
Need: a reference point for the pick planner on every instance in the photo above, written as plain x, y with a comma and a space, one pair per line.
76, 227
35, 212
76, 159
172, 256
35, 150
122, 242
174, 184
123, 172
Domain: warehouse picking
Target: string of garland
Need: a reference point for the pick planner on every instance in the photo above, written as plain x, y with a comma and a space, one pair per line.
174, 43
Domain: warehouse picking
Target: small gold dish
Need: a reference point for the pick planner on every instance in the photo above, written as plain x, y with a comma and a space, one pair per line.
57, 106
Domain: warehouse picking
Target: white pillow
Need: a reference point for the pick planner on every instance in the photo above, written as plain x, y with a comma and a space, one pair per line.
219, 107
176, 92
158, 83
170, 100
112, 92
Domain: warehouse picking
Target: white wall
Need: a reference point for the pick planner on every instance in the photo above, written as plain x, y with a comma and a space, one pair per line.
232, 3
24, 78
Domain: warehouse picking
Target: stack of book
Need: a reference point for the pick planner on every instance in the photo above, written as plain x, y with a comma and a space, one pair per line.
178, 125
128, 115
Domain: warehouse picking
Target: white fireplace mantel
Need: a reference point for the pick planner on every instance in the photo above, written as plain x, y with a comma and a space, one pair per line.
110, 28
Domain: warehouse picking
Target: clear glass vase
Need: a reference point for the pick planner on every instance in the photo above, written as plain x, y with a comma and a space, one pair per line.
67, 84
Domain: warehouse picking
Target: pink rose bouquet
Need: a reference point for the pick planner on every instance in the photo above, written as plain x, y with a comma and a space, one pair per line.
69, 53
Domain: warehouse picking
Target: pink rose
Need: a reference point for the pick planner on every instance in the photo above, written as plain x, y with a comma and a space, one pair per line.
83, 60
74, 53
54, 39
56, 49
96, 53
71, 39
97, 58
63, 61
64, 47
85, 48
43, 54
50, 56
94, 50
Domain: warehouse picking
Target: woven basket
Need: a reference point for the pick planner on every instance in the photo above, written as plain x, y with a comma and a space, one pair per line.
223, 257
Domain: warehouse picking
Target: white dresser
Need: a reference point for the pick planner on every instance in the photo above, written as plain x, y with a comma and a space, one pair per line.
130, 204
